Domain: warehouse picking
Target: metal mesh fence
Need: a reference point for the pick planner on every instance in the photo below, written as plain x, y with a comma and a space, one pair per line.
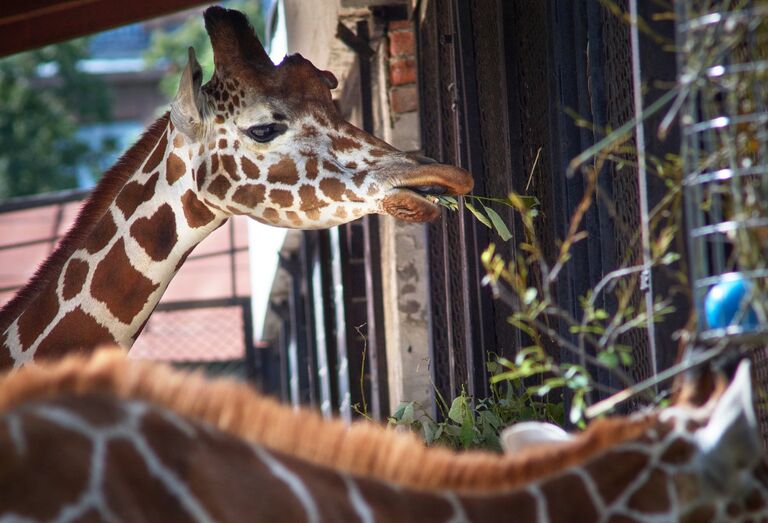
201, 334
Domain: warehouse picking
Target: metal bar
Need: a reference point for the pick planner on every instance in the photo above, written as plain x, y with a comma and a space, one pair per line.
56, 225
476, 311
324, 365
340, 323
201, 304
42, 200
231, 252
355, 42
252, 368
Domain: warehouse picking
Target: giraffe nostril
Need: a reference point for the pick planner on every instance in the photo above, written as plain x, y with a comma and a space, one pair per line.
423, 160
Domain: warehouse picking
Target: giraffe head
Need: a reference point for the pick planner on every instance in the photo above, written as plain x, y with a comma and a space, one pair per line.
701, 460
267, 141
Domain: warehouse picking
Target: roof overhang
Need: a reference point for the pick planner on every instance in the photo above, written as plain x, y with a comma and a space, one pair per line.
34, 23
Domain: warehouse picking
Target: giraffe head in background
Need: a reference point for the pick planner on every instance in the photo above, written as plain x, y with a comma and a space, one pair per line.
267, 141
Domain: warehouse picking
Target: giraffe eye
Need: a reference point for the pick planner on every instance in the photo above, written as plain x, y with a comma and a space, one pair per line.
267, 132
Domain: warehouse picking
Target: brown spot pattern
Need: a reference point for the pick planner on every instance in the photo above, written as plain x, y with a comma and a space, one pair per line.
214, 163
250, 169
63, 482
5, 354
271, 215
652, 496
352, 196
174, 168
250, 195
579, 507
610, 480
157, 155
228, 161
202, 172
37, 316
134, 194
76, 330
333, 188
196, 212
330, 167
343, 143
122, 288
104, 231
157, 234
123, 461
340, 212
309, 199
222, 143
309, 131
219, 186
283, 171
359, 177
678, 452
293, 217
281, 197
311, 167
74, 278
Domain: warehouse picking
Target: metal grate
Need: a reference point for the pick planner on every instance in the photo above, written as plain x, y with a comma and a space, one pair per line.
197, 331
498, 82
724, 73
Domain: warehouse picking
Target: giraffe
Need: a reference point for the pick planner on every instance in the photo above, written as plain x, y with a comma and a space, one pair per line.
109, 439
257, 139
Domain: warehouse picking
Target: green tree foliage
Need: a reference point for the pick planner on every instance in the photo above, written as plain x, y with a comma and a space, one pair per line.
169, 48
40, 116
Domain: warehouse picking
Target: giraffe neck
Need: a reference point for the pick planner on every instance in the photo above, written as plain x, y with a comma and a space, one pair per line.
109, 272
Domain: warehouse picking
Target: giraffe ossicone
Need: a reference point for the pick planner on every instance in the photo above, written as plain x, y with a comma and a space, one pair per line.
120, 440
257, 139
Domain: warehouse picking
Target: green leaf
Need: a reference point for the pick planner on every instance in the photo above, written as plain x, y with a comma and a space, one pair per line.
609, 359
458, 408
482, 219
429, 432
530, 295
498, 223
467, 435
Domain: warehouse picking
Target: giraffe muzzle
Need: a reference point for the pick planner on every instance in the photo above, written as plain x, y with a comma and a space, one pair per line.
410, 197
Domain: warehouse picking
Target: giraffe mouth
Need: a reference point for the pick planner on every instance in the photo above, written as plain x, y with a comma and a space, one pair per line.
414, 197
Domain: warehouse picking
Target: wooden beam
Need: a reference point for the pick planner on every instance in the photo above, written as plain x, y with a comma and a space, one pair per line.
35, 23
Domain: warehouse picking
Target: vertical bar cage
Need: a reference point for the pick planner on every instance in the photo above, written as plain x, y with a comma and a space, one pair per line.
723, 70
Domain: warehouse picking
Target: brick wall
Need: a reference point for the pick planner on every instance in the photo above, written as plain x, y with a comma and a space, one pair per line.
403, 94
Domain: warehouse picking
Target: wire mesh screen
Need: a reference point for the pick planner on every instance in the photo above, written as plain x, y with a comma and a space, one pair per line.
204, 334
723, 72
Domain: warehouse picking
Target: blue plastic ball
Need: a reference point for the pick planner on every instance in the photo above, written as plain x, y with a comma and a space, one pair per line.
724, 301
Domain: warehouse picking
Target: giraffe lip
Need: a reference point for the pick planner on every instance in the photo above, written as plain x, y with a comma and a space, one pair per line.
437, 180
406, 204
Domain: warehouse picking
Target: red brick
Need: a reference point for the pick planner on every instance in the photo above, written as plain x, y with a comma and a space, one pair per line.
402, 71
400, 25
401, 43
404, 99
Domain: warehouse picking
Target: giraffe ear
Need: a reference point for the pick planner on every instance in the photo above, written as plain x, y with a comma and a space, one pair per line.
186, 108
730, 442
520, 436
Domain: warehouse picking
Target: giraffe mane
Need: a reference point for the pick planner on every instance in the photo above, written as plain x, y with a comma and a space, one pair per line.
363, 448
93, 209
